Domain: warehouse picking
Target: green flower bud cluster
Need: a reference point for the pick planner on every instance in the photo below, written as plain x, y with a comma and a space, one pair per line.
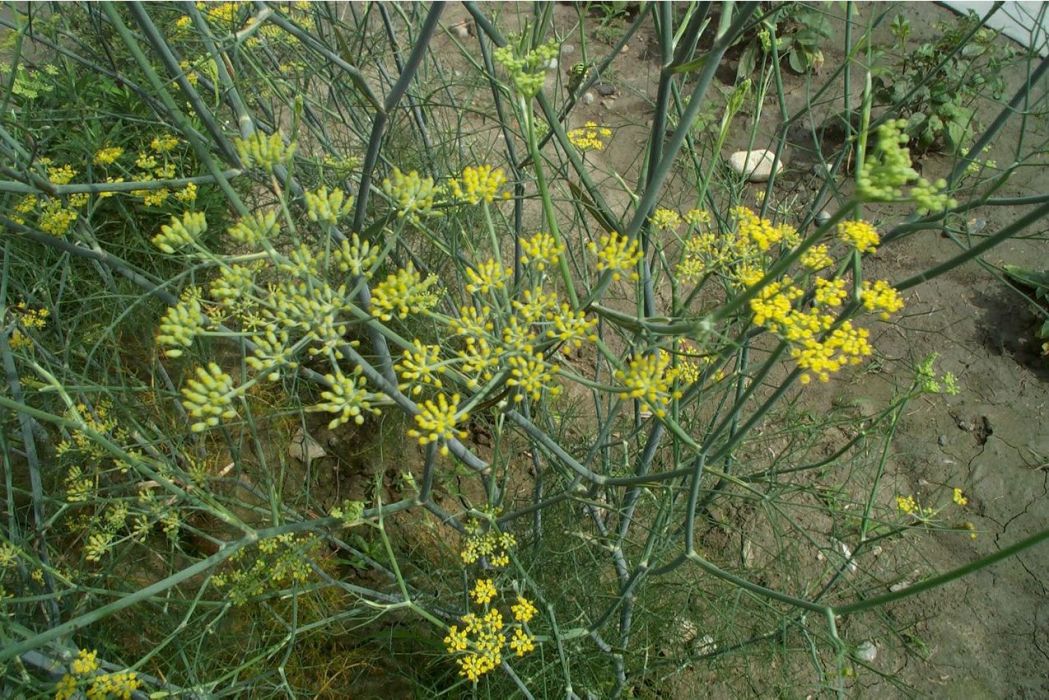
263, 151
180, 325
277, 563
255, 228
347, 398
233, 283
302, 262
327, 207
529, 71
412, 195
181, 232
931, 198
402, 293
272, 351
314, 310
356, 257
209, 397
888, 170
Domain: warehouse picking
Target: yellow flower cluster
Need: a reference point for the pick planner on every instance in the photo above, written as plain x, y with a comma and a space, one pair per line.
478, 184
437, 421
665, 219
27, 319
845, 345
209, 397
103, 686
55, 218
265, 152
816, 258
272, 351
412, 195
617, 253
356, 257
164, 144
760, 232
181, 323
61, 174
108, 155
403, 292
572, 327
483, 637
541, 250
277, 562
882, 297
830, 293
533, 376
860, 235
958, 496
346, 398
327, 207
590, 137
492, 545
698, 217
181, 232
255, 228
483, 591
650, 378
488, 276
420, 366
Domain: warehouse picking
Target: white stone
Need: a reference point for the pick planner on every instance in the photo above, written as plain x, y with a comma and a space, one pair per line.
867, 652
462, 30
755, 165
588, 98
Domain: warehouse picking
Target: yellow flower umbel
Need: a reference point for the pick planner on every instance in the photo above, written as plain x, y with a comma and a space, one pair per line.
483, 591
521, 643
402, 293
437, 421
255, 228
958, 496
108, 155
209, 397
413, 196
488, 276
881, 297
532, 375
665, 219
492, 545
263, 151
590, 137
650, 379
617, 253
181, 232
346, 398
356, 257
420, 366
571, 327
816, 258
180, 325
478, 184
524, 610
860, 235
540, 250
327, 207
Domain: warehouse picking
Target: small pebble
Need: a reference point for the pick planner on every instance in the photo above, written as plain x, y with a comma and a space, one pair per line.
605, 89
567, 49
867, 652
588, 98
942, 440
552, 64
462, 30
822, 217
607, 104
